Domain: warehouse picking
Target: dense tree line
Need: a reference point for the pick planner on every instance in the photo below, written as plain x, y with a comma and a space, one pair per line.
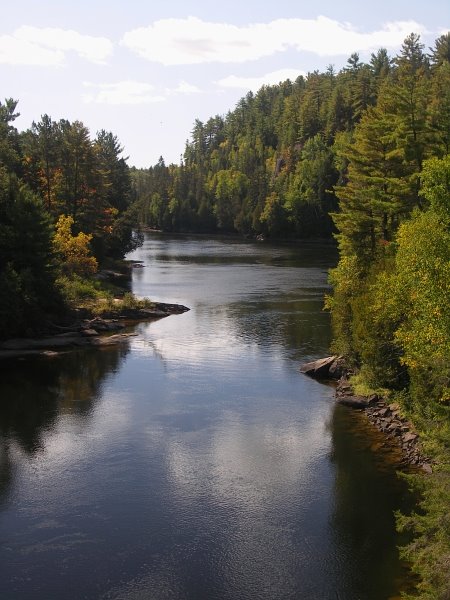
65, 204
269, 166
391, 301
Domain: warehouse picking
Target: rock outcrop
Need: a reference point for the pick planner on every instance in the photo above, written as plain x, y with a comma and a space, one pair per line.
88, 332
331, 367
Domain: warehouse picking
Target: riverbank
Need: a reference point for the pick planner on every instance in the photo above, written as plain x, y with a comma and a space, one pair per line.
385, 416
91, 330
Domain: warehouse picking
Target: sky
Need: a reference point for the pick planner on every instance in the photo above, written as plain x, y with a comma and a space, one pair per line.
145, 70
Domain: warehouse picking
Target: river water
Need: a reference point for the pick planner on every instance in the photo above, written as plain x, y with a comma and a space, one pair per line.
195, 461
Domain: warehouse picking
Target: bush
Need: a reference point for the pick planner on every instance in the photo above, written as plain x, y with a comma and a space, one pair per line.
79, 291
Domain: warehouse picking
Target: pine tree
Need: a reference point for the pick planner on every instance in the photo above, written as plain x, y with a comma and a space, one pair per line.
27, 268
376, 194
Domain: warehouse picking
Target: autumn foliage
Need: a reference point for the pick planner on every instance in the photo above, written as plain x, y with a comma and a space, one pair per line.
73, 250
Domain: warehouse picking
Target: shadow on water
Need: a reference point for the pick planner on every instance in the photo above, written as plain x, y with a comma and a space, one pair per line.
367, 492
30, 406
296, 324
191, 250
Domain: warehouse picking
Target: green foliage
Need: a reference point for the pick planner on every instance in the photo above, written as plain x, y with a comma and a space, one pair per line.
346, 281
54, 173
273, 215
378, 192
429, 552
391, 317
439, 109
391, 296
27, 269
309, 196
123, 236
423, 271
228, 188
130, 301
364, 386
90, 294
380, 167
80, 291
380, 119
84, 179
9, 139
435, 178
376, 316
266, 167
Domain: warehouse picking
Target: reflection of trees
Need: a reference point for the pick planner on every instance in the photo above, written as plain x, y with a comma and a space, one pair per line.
286, 309
298, 324
367, 493
229, 250
79, 382
36, 392
6, 468
295, 319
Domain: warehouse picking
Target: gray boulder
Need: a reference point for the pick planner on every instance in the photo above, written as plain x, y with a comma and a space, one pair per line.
330, 367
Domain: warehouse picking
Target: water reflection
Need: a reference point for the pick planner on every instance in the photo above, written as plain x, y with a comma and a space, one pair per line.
196, 462
31, 405
232, 251
295, 323
366, 490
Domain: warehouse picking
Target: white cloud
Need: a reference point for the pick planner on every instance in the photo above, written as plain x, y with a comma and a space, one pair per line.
122, 92
133, 92
193, 41
21, 52
48, 46
255, 83
186, 88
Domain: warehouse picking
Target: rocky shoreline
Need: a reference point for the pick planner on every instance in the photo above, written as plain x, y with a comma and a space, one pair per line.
384, 416
94, 332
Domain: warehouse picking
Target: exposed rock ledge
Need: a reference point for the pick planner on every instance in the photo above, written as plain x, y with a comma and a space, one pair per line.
384, 416
89, 332
157, 311
331, 367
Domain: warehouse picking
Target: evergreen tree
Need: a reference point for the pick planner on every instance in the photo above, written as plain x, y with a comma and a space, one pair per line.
9, 138
376, 194
27, 268
43, 146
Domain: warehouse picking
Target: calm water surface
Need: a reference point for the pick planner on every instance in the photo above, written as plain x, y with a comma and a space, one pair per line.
196, 462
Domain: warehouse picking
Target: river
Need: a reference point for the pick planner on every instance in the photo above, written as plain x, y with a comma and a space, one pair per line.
195, 461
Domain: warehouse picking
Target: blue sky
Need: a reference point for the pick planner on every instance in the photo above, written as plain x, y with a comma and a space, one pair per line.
145, 70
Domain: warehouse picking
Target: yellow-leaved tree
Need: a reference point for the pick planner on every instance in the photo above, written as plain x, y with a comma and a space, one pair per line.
73, 250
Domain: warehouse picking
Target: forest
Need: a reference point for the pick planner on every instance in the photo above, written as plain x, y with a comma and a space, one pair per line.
65, 208
361, 156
